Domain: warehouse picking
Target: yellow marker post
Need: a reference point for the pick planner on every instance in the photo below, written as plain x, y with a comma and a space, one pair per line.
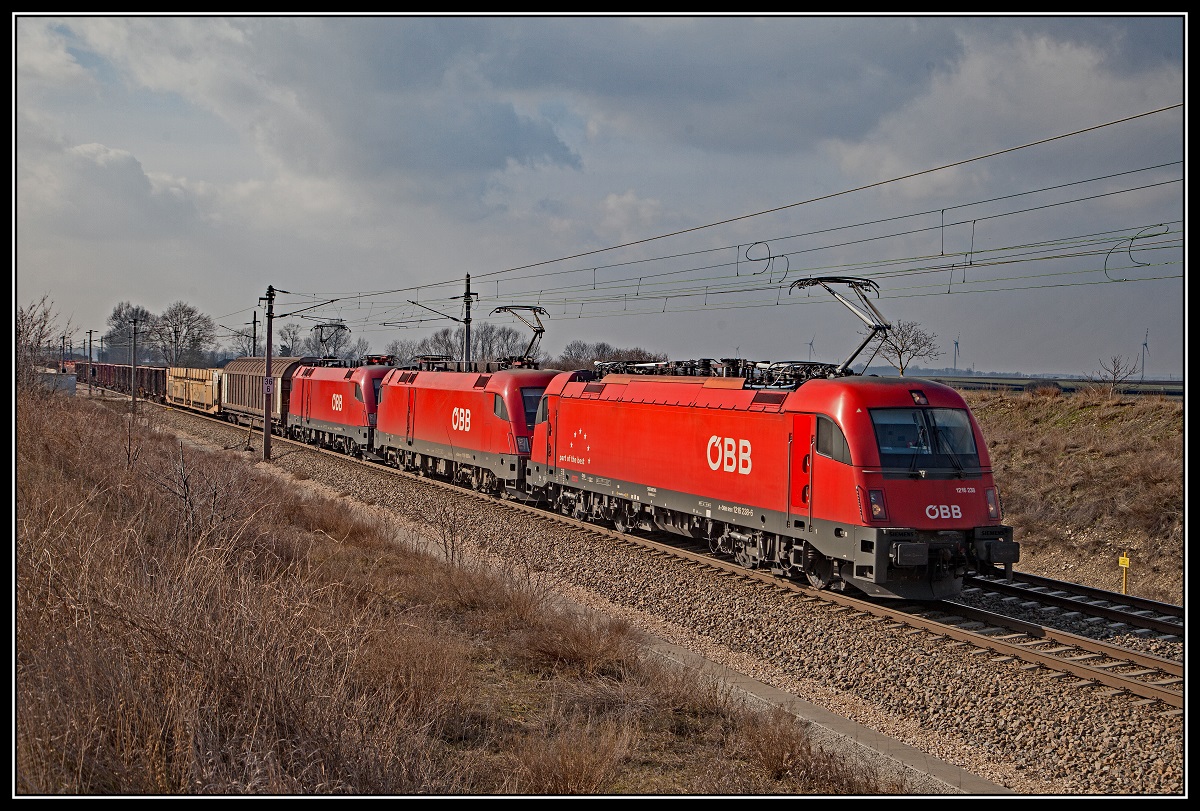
1123, 561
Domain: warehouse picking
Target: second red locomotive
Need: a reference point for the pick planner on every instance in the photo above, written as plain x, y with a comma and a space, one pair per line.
471, 427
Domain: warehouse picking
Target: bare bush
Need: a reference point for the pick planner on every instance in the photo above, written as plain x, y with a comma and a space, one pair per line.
581, 757
1113, 373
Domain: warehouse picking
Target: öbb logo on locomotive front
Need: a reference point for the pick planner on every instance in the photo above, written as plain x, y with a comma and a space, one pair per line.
943, 511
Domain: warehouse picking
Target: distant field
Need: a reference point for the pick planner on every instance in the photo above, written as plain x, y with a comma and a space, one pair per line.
1166, 388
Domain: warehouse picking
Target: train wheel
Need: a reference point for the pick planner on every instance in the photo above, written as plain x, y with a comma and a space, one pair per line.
820, 573
741, 554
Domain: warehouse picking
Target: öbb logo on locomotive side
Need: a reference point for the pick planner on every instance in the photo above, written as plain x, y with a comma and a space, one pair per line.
337, 402
461, 419
943, 511
729, 454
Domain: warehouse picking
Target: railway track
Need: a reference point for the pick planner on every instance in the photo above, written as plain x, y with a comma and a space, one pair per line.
1155, 680
1123, 611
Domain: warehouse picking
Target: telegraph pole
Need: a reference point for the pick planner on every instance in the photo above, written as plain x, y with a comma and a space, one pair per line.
467, 323
89, 334
268, 382
133, 369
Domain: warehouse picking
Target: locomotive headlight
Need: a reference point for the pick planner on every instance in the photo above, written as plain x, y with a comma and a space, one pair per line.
878, 507
993, 504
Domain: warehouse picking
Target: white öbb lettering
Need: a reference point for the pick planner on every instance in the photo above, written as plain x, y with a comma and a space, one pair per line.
337, 402
729, 454
943, 511
461, 419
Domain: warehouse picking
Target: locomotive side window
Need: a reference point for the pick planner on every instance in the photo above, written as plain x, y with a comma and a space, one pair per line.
831, 441
499, 408
543, 411
532, 400
378, 382
928, 438
358, 392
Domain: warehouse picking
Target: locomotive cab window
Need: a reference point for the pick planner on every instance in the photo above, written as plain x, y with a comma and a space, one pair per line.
531, 399
499, 408
543, 411
932, 439
831, 441
358, 392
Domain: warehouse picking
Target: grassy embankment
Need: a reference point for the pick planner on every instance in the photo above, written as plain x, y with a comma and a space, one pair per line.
1088, 477
186, 624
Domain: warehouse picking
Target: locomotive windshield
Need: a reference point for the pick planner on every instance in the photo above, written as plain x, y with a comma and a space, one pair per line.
929, 439
531, 398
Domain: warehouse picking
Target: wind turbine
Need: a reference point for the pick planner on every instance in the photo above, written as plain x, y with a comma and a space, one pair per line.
1145, 352
955, 355
810, 347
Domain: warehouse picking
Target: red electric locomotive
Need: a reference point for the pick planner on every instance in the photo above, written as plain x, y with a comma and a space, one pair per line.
468, 426
334, 405
883, 484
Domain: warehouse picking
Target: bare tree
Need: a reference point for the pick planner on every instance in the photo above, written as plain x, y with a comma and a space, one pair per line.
1116, 371
445, 341
907, 342
289, 339
327, 340
181, 334
356, 350
242, 345
402, 349
582, 355
575, 355
38, 339
119, 337
491, 342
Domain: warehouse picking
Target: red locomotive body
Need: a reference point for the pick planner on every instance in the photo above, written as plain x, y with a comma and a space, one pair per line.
471, 427
335, 406
818, 480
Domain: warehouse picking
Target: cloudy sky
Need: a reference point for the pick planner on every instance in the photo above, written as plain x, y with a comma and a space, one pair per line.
1014, 184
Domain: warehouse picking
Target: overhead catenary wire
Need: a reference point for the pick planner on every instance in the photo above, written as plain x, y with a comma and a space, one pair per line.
715, 285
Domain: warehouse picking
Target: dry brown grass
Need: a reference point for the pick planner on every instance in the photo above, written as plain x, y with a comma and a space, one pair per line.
189, 625
1089, 475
